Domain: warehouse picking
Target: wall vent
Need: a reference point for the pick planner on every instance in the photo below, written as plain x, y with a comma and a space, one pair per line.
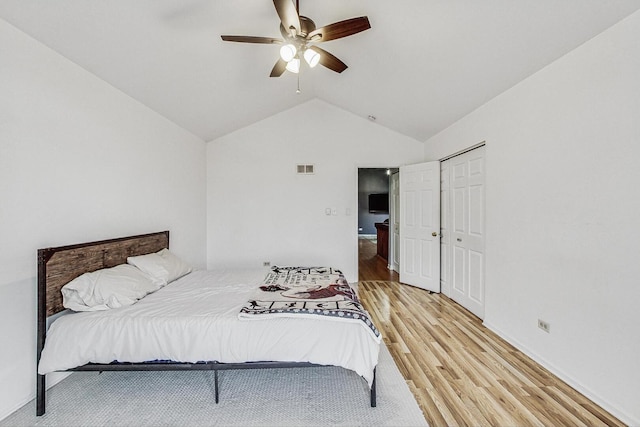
305, 169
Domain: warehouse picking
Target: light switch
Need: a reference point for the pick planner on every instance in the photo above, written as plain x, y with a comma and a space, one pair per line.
334, 211
327, 211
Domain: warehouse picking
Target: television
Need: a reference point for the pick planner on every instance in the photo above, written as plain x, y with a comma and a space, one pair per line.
379, 203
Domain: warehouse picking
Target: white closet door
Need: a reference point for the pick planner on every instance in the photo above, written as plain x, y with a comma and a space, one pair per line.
445, 229
466, 234
420, 225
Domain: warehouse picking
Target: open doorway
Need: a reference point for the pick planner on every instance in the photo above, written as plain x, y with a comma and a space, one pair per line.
375, 227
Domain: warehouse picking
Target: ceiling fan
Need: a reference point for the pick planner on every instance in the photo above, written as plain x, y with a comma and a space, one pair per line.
300, 34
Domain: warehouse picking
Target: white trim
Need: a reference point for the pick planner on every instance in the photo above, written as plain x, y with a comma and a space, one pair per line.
585, 391
52, 379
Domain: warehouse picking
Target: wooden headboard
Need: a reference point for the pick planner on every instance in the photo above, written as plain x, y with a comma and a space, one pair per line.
58, 266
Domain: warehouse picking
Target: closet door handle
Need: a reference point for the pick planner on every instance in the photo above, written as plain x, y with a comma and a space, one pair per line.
459, 239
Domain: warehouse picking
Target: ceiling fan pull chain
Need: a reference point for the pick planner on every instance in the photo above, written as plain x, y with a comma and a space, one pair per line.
298, 90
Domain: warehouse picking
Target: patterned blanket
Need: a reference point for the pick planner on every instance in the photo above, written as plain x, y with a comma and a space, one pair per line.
307, 291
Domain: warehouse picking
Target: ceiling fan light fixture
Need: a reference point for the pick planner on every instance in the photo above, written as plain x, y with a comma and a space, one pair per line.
312, 57
288, 52
298, 33
294, 65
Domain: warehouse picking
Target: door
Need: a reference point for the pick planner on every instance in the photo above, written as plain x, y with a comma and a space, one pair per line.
420, 225
445, 229
465, 236
394, 260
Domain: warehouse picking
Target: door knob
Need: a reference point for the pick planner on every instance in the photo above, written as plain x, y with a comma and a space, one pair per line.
459, 239
434, 234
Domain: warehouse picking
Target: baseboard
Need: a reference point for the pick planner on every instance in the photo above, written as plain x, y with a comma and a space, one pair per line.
14, 409
599, 400
50, 383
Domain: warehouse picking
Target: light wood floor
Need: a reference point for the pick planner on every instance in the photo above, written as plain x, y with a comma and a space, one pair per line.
461, 373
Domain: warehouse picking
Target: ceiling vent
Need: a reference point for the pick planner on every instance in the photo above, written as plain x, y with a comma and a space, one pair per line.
305, 169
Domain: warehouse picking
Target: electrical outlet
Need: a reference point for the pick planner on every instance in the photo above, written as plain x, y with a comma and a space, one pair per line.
266, 263
544, 326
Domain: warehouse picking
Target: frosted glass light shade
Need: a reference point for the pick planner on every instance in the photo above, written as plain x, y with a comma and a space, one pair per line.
294, 65
288, 52
312, 57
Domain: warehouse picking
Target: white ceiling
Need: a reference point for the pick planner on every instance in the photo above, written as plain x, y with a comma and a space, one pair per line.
423, 65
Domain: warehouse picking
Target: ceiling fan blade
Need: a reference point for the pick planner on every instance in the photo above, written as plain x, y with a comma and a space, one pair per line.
328, 60
279, 68
288, 14
251, 39
340, 29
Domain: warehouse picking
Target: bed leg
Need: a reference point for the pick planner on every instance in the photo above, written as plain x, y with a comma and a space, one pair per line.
215, 382
373, 389
40, 394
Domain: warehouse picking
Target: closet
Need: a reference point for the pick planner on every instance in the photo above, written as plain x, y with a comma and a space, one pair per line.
462, 229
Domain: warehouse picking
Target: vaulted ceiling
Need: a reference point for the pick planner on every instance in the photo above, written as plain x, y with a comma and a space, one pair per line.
423, 65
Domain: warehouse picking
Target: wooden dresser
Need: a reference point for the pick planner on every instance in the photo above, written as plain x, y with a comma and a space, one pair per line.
383, 239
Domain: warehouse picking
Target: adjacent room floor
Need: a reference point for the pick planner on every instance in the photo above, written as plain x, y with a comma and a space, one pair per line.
460, 372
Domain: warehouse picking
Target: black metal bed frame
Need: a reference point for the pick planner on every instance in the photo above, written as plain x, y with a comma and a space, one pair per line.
42, 311
200, 366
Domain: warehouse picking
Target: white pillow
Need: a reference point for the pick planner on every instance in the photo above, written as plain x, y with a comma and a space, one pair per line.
114, 287
163, 266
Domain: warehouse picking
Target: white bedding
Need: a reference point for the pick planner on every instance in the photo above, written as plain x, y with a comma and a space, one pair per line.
195, 319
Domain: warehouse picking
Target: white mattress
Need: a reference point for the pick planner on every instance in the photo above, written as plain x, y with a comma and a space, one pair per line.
195, 319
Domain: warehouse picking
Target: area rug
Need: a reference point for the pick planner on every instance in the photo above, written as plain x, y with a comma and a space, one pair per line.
268, 397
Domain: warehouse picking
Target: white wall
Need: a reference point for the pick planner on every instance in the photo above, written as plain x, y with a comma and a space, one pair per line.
79, 161
258, 209
563, 214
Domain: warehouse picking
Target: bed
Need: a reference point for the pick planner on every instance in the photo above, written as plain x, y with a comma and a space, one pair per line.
193, 323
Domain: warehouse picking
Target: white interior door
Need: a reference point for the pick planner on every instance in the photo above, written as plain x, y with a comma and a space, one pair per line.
394, 259
465, 235
420, 225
